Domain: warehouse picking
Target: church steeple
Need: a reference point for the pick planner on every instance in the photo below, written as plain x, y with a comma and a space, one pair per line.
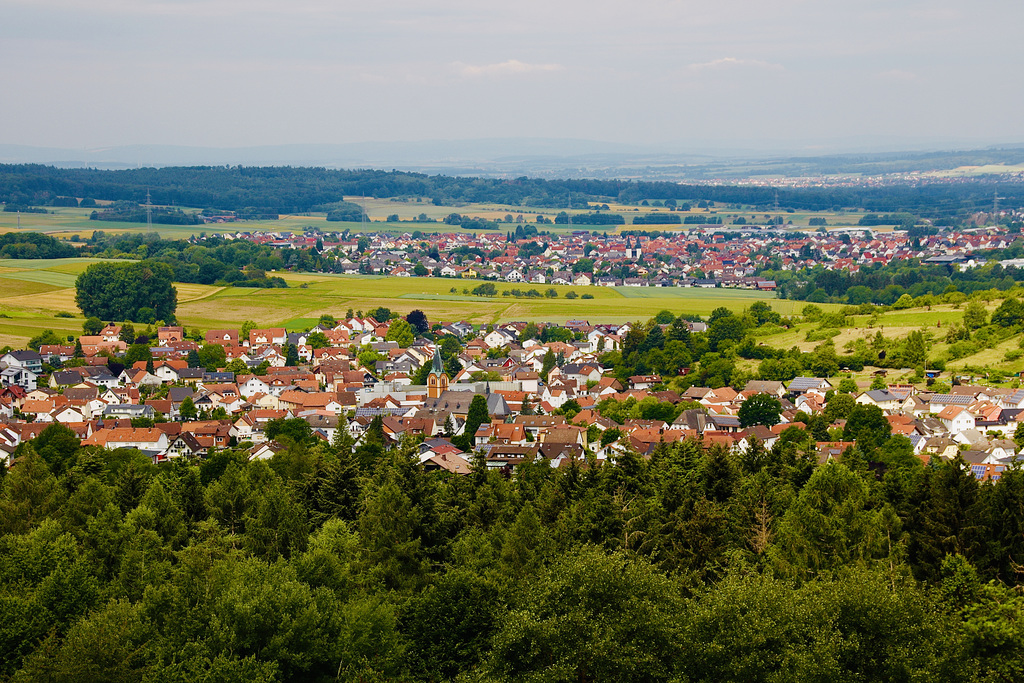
437, 380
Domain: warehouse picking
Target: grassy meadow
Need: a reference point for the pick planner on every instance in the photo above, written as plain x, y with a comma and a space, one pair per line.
33, 292
67, 221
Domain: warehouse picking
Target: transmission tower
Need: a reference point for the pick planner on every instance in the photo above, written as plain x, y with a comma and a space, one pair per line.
149, 212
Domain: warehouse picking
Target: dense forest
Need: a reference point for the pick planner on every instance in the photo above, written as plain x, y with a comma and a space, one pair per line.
330, 562
269, 190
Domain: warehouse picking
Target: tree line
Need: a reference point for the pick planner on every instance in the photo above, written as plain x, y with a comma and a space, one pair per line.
341, 561
886, 284
34, 245
270, 190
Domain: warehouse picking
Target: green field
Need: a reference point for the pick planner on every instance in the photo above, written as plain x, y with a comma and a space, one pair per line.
32, 292
66, 221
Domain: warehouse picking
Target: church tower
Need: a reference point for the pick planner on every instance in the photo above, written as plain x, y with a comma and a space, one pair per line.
437, 380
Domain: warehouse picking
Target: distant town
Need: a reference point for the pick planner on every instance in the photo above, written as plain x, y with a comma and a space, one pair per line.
700, 256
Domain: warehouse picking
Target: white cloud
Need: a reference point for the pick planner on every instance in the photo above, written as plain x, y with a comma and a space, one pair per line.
510, 67
733, 62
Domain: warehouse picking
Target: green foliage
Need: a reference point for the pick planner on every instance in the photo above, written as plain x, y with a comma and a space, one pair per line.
212, 356
294, 429
343, 211
866, 425
839, 406
476, 416
380, 314
975, 315
122, 291
47, 337
350, 561
848, 385
833, 524
33, 245
592, 616
92, 326
760, 409
401, 332
1009, 313
318, 340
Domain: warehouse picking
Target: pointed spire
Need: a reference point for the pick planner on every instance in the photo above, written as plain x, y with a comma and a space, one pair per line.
438, 363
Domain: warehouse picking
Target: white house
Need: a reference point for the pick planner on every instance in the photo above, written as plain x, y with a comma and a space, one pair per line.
881, 398
956, 419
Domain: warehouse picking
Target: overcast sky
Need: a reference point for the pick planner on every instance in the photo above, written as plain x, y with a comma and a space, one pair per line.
227, 73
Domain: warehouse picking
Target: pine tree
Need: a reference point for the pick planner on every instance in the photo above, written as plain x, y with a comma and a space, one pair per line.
30, 493
915, 352
527, 408
338, 489
524, 544
476, 416
342, 442
392, 549
548, 364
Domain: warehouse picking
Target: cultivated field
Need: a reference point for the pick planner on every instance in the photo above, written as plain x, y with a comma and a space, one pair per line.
66, 221
32, 292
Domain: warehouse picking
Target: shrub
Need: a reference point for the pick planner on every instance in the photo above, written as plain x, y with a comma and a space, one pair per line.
822, 334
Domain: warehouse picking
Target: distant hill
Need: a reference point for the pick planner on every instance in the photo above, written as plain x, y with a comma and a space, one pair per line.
283, 189
537, 157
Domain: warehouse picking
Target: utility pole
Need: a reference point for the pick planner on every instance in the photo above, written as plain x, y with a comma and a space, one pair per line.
778, 215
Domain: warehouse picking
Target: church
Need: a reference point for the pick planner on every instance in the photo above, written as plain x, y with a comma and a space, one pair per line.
437, 380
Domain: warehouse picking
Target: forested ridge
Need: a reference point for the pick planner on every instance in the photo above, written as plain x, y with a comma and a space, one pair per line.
298, 190
334, 562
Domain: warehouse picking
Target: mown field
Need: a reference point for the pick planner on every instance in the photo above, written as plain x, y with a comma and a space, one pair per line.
66, 222
33, 292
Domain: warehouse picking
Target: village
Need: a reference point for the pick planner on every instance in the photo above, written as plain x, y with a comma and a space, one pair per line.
697, 256
551, 401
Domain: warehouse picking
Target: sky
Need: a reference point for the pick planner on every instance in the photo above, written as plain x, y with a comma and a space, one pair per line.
230, 73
